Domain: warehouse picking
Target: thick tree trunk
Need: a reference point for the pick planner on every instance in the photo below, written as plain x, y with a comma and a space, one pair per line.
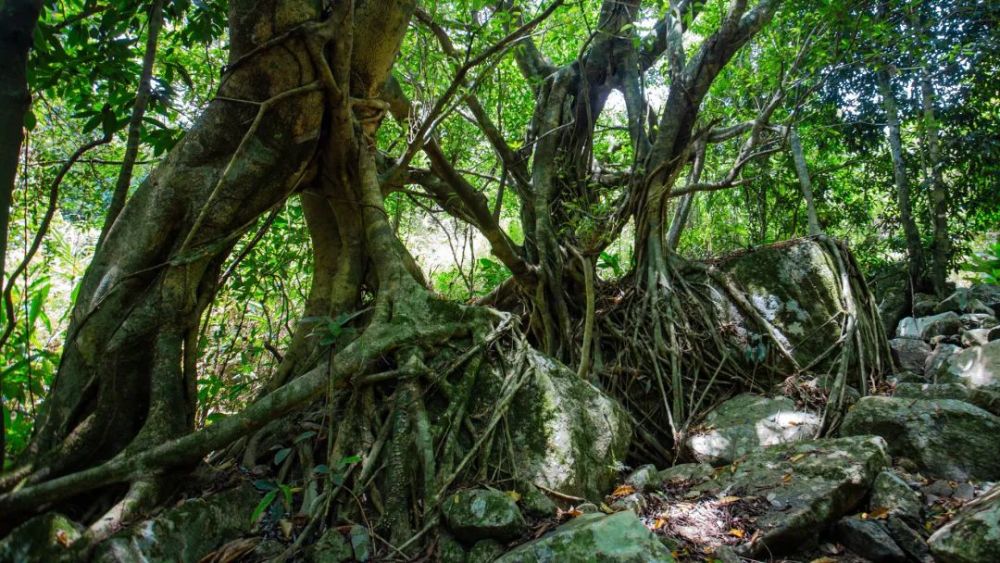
121, 381
798, 156
939, 191
914, 249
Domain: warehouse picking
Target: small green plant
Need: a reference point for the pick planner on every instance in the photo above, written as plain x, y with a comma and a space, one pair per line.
985, 266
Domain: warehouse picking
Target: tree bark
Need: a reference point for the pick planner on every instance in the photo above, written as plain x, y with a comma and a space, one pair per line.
941, 254
798, 156
914, 249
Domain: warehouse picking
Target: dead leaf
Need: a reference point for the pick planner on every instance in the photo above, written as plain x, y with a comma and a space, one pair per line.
796, 457
736, 532
514, 495
824, 560
787, 478
63, 538
573, 512
623, 491
286, 528
659, 522
726, 501
880, 513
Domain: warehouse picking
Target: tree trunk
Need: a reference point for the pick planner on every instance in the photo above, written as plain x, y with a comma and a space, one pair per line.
939, 191
803, 173
914, 249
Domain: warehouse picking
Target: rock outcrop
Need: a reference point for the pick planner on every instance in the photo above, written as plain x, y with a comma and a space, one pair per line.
620, 537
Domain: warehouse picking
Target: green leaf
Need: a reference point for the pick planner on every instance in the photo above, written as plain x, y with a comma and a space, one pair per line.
281, 455
262, 505
30, 121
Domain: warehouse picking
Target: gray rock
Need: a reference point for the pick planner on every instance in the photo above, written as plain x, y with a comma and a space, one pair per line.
978, 320
746, 423
944, 324
620, 537
808, 486
42, 538
936, 368
909, 539
924, 304
984, 398
643, 477
977, 367
869, 539
973, 535
975, 337
485, 551
891, 492
569, 435
946, 438
685, 473
963, 301
449, 550
892, 308
184, 533
910, 353
478, 514
993, 335
988, 294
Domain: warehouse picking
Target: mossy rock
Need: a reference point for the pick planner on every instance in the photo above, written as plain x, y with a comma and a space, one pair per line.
946, 438
186, 533
973, 535
42, 538
332, 547
620, 537
478, 514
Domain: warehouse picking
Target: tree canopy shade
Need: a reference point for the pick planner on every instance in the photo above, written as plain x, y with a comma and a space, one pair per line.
225, 215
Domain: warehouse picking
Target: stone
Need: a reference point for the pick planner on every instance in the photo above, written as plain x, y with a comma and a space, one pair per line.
944, 324
993, 335
977, 367
963, 301
869, 539
620, 537
973, 535
184, 533
685, 473
988, 294
569, 436
45, 537
909, 539
890, 492
892, 308
979, 320
536, 503
910, 353
747, 422
924, 304
331, 547
478, 514
643, 477
975, 337
944, 437
984, 398
936, 368
449, 550
485, 551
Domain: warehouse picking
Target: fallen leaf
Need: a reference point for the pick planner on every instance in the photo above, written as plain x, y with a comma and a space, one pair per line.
286, 528
659, 522
796, 457
824, 560
736, 532
514, 495
606, 509
62, 538
573, 512
787, 478
726, 501
880, 513
623, 491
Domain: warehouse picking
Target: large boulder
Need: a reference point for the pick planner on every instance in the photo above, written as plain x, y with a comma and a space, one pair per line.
869, 539
478, 514
988, 294
973, 535
569, 436
984, 398
45, 537
977, 367
946, 438
747, 422
936, 366
910, 353
620, 537
782, 495
185, 533
943, 324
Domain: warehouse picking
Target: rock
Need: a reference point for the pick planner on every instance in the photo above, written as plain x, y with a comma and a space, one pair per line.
978, 320
892, 308
909, 539
42, 538
910, 353
975, 337
973, 535
643, 477
685, 473
332, 547
449, 550
944, 324
594, 537
993, 335
485, 551
936, 367
536, 503
984, 398
890, 492
988, 294
977, 367
569, 435
869, 539
184, 533
478, 514
924, 304
962, 301
747, 422
946, 438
